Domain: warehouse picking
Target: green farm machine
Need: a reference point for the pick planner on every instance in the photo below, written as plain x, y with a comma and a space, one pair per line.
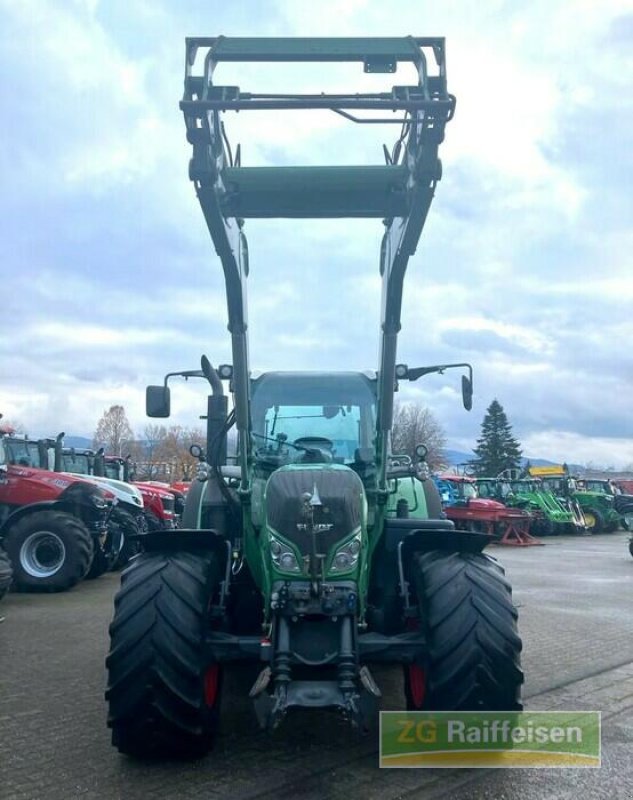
596, 502
319, 554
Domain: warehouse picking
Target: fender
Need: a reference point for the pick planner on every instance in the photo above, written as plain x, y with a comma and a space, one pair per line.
23, 511
192, 513
190, 540
418, 535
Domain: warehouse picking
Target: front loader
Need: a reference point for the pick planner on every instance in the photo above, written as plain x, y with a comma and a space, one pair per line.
320, 553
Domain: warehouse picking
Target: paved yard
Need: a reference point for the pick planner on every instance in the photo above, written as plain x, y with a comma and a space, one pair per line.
575, 598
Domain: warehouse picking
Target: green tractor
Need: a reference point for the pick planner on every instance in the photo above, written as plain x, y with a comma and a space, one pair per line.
320, 553
550, 517
602, 506
564, 489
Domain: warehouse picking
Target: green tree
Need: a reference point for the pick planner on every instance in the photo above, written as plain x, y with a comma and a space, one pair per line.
114, 431
497, 450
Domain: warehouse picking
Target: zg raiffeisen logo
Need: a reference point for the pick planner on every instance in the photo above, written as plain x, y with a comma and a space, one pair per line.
490, 739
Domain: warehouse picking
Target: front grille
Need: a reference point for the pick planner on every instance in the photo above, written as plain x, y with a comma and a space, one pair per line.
341, 493
169, 503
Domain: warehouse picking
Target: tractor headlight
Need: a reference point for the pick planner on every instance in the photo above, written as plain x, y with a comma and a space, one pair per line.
202, 471
283, 556
346, 557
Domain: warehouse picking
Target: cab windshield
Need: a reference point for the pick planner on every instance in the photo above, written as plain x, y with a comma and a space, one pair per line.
486, 489
111, 470
78, 463
340, 408
525, 486
598, 486
23, 453
468, 491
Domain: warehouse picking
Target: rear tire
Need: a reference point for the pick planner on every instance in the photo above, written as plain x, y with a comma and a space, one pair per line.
50, 551
471, 625
163, 698
6, 573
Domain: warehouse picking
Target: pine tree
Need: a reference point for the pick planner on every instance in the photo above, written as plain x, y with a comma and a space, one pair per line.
497, 450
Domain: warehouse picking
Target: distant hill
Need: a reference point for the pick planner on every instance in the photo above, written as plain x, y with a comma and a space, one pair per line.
455, 457
80, 442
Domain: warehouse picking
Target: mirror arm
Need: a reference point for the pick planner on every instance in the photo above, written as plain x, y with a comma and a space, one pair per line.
414, 374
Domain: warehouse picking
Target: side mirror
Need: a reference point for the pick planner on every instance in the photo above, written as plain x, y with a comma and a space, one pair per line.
157, 401
197, 452
467, 392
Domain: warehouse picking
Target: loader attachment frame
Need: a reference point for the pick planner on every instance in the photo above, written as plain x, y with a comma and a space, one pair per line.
399, 192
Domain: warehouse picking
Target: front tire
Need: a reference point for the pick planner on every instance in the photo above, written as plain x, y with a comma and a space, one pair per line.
51, 551
471, 625
100, 562
163, 697
127, 530
6, 573
152, 521
595, 520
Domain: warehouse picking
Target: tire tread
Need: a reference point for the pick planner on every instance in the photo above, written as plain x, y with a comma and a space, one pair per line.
155, 666
471, 623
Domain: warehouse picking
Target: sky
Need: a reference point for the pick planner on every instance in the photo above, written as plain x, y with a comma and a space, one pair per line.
110, 280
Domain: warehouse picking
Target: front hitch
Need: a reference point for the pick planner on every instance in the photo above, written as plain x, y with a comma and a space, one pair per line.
353, 693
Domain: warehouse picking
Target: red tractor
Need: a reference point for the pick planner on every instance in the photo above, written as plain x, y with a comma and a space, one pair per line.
163, 505
51, 525
468, 511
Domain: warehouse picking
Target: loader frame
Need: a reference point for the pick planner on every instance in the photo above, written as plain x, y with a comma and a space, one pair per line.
400, 191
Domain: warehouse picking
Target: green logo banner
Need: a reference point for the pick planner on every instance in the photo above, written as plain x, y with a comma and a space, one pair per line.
490, 739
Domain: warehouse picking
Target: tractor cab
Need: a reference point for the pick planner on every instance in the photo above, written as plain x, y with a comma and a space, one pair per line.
305, 418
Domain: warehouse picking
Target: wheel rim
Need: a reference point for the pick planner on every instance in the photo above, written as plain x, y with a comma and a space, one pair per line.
590, 520
417, 685
42, 554
628, 520
211, 682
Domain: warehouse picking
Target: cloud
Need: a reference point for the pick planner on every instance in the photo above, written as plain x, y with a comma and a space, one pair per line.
110, 279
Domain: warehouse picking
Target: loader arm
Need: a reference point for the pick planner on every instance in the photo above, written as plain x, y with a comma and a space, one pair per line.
398, 191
